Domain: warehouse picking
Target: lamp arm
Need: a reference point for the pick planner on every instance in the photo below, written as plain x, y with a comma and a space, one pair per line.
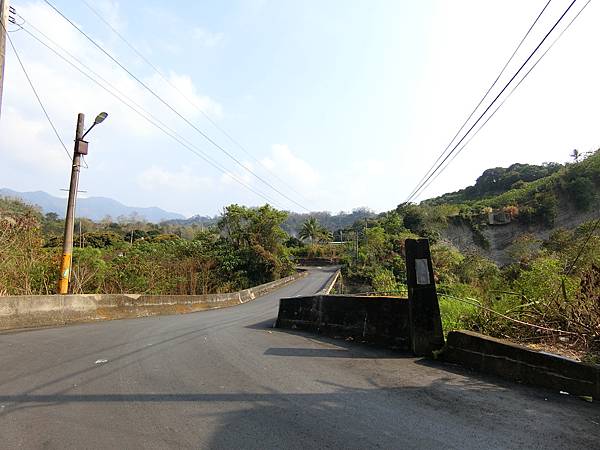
89, 129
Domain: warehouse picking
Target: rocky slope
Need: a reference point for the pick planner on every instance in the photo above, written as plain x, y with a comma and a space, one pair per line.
500, 237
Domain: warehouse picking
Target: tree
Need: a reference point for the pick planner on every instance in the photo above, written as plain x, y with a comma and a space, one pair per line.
575, 154
101, 239
413, 218
313, 231
582, 191
384, 281
89, 270
255, 240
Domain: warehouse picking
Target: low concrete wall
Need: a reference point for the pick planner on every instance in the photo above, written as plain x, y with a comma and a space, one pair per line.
518, 363
382, 320
329, 286
46, 310
317, 261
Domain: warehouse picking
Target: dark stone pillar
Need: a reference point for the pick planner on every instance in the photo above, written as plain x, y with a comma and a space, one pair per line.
426, 333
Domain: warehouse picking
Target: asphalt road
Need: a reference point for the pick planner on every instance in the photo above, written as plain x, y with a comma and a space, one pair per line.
226, 379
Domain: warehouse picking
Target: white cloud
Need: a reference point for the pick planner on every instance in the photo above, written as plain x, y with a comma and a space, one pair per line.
245, 176
207, 38
282, 170
268, 163
182, 180
183, 95
291, 167
30, 143
111, 12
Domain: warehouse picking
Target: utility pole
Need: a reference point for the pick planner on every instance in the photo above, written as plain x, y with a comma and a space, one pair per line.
67, 253
81, 148
3, 28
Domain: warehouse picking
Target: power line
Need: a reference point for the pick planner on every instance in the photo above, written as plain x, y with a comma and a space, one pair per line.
186, 98
36, 94
422, 184
147, 116
164, 102
506, 98
486, 94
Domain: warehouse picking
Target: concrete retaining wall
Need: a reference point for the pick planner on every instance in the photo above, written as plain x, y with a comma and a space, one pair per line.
46, 310
518, 363
329, 286
382, 320
317, 261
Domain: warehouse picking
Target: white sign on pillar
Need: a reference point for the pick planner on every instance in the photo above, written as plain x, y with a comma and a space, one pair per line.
422, 271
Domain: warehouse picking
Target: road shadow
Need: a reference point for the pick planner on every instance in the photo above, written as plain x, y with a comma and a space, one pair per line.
445, 413
346, 347
314, 353
268, 324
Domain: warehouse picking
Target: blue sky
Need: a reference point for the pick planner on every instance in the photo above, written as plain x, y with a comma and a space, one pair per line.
348, 102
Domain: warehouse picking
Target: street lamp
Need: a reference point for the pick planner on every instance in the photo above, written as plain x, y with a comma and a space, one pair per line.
99, 119
81, 148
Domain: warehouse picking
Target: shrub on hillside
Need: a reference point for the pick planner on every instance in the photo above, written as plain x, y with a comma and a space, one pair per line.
101, 239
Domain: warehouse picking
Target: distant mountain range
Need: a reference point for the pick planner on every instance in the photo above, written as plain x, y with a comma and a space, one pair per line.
94, 208
294, 221
97, 208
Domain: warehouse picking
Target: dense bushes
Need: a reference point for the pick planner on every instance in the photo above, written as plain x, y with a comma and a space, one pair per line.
25, 266
582, 191
245, 249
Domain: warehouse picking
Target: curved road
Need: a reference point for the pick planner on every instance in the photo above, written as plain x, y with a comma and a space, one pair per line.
225, 379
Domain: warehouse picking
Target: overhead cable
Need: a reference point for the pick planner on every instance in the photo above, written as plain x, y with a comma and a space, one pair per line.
505, 98
486, 94
186, 97
170, 107
147, 116
420, 186
39, 100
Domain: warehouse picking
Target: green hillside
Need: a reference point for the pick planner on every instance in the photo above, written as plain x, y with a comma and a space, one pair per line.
498, 180
530, 192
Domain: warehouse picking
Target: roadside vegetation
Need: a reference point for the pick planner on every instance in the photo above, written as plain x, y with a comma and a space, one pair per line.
244, 249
